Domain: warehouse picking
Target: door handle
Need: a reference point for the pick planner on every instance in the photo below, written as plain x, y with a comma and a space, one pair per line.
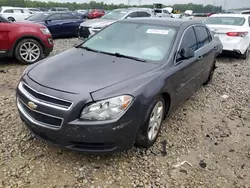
199, 58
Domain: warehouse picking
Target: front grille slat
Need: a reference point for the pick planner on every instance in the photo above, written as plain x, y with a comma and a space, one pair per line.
39, 117
46, 98
50, 100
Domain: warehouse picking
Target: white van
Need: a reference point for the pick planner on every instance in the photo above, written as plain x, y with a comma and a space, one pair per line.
14, 13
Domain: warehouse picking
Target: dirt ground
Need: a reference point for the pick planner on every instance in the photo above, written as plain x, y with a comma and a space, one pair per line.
209, 132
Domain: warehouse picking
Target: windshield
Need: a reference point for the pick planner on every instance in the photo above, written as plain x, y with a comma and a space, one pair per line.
115, 14
237, 21
38, 17
145, 41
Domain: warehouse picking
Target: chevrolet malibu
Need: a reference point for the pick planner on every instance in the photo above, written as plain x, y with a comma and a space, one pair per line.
114, 90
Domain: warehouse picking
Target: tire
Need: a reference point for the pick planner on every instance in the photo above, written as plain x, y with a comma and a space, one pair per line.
245, 55
26, 45
143, 136
211, 74
11, 19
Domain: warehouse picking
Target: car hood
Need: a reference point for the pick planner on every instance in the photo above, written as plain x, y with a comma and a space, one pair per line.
189, 12
81, 71
27, 23
97, 22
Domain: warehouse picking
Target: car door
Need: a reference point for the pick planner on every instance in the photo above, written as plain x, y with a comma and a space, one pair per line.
4, 39
54, 23
184, 80
26, 13
18, 14
206, 52
70, 24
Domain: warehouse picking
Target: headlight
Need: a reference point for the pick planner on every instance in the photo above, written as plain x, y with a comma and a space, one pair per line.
106, 109
45, 31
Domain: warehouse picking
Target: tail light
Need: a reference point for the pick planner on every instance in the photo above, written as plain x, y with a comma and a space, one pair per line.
237, 34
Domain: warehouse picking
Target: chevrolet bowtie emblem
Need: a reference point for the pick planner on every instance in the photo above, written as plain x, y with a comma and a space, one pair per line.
32, 105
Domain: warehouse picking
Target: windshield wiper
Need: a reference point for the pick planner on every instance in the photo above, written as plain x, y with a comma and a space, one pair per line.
125, 56
89, 49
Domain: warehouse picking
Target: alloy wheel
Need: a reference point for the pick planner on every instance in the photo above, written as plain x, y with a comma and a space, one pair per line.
30, 52
155, 120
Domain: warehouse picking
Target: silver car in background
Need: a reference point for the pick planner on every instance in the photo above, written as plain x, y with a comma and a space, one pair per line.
90, 27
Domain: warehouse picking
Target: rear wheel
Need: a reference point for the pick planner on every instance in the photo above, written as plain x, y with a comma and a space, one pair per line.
28, 51
245, 55
149, 131
11, 19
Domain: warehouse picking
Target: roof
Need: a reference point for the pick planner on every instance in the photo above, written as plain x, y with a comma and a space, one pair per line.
162, 21
231, 15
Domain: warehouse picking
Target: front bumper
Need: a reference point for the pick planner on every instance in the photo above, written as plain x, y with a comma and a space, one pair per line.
86, 32
71, 133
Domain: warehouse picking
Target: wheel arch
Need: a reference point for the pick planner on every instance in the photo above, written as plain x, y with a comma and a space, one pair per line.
12, 50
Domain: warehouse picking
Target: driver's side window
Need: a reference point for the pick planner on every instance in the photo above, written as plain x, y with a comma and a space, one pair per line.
188, 41
55, 17
133, 15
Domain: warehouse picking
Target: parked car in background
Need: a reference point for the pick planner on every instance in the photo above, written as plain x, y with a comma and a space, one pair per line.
90, 27
60, 24
34, 10
115, 89
233, 31
187, 15
58, 9
80, 15
14, 13
95, 13
162, 13
245, 12
82, 11
27, 42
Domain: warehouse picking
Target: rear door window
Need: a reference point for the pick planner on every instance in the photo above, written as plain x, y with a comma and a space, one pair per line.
68, 16
188, 41
17, 11
202, 35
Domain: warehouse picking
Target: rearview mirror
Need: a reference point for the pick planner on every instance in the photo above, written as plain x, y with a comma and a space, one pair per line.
186, 53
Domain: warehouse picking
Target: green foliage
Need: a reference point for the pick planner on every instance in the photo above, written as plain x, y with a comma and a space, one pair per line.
197, 8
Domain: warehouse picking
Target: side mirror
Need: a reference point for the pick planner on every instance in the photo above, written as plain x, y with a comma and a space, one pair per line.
186, 53
47, 21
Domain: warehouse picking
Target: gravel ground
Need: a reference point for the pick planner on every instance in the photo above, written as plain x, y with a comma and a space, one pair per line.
210, 133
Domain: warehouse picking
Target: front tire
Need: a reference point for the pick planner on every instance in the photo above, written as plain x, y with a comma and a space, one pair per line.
149, 131
11, 19
28, 51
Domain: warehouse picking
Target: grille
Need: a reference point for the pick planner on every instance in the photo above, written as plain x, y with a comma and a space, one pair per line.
84, 32
46, 98
39, 117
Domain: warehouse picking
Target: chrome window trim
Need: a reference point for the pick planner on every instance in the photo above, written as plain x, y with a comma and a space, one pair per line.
39, 101
32, 120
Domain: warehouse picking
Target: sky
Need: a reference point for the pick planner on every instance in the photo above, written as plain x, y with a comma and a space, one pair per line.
229, 4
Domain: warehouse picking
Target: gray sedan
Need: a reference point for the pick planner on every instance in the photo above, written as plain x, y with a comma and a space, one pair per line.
114, 90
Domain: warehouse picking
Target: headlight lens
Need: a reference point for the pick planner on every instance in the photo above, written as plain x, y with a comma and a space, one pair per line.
106, 109
45, 31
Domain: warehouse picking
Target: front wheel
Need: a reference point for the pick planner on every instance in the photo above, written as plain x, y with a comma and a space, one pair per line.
28, 51
11, 19
149, 131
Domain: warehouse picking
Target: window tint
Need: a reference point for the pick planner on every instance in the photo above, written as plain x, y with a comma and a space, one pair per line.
143, 14
55, 17
9, 11
202, 36
165, 11
188, 41
68, 16
133, 15
249, 21
246, 12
